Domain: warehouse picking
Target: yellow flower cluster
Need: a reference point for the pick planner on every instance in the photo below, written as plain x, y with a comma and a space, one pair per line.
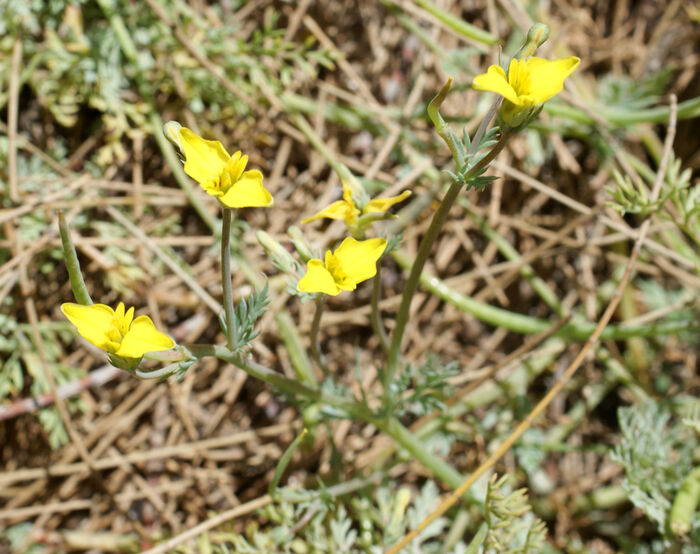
220, 175
529, 83
354, 260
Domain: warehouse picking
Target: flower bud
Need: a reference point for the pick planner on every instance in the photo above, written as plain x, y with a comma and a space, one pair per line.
282, 259
171, 131
300, 243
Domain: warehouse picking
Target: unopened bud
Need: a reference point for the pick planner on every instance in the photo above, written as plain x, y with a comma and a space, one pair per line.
536, 37
403, 497
171, 131
282, 259
300, 243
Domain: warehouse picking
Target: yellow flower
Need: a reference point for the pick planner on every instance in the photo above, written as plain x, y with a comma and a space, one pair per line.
115, 331
529, 83
346, 209
353, 261
221, 175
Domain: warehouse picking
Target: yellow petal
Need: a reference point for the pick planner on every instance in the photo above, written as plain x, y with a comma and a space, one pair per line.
339, 209
494, 80
247, 192
381, 205
236, 166
358, 259
93, 322
205, 160
347, 193
143, 337
546, 77
318, 279
128, 317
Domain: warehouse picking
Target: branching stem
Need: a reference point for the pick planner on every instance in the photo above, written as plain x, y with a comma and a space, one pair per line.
426, 245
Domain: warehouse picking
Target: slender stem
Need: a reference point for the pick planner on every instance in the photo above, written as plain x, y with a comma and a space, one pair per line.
315, 327
416, 448
412, 282
231, 338
481, 130
422, 257
573, 366
521, 323
688, 109
296, 350
290, 386
377, 325
284, 462
77, 284
157, 373
442, 128
458, 25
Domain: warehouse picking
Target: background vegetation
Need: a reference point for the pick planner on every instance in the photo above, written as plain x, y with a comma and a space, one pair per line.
303, 87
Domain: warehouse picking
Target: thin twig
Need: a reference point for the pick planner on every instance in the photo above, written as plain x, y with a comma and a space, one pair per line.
95, 378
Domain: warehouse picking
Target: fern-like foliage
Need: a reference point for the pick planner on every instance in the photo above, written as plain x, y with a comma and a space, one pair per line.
480, 150
510, 525
657, 454
420, 389
247, 313
364, 523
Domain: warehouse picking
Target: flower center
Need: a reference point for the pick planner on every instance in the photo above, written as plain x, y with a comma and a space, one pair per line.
224, 181
120, 327
333, 266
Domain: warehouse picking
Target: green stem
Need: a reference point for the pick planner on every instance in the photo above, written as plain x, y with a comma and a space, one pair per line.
461, 27
416, 448
290, 386
284, 462
377, 325
297, 353
442, 128
422, 257
412, 282
685, 503
231, 337
619, 116
315, 328
77, 284
521, 323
